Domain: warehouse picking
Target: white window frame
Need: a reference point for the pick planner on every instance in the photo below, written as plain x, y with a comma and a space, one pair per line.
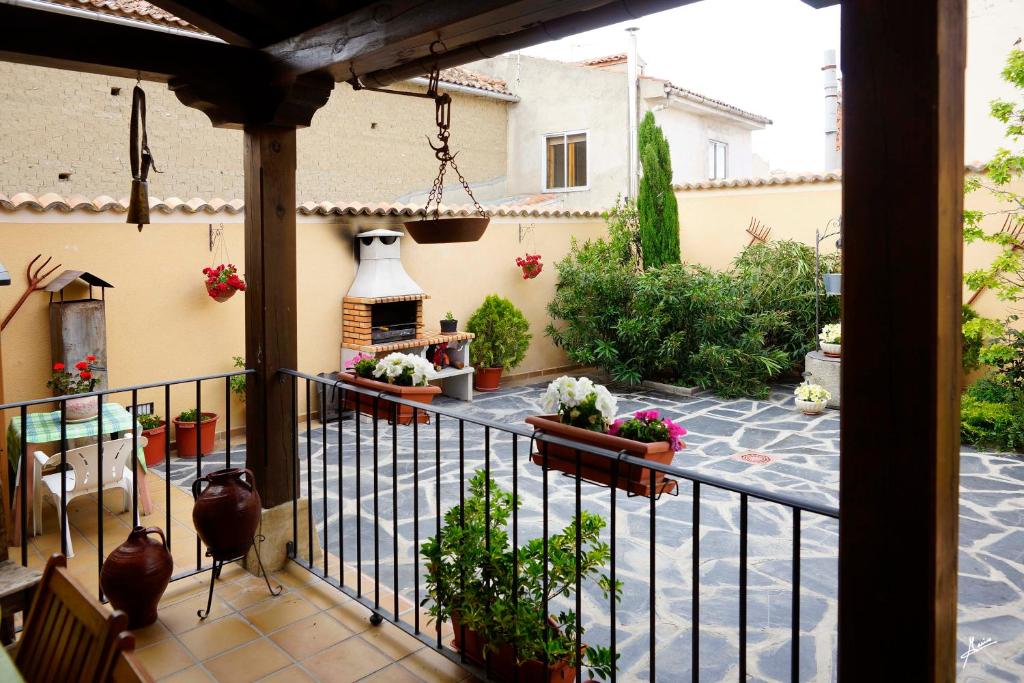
544, 160
712, 148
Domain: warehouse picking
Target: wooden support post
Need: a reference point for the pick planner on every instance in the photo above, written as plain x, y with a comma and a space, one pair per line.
903, 147
270, 307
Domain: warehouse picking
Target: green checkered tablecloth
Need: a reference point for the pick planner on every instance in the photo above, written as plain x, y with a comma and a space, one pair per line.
44, 428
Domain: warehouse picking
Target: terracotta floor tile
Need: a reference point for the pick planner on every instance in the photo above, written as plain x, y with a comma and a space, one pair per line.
352, 616
323, 595
293, 674
149, 635
391, 640
181, 589
310, 635
431, 665
246, 592
279, 612
349, 660
392, 674
164, 658
218, 636
193, 674
248, 663
181, 616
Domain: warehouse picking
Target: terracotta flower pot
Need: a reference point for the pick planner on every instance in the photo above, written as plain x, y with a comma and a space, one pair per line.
631, 478
135, 575
185, 436
156, 446
81, 409
487, 379
382, 408
503, 665
226, 513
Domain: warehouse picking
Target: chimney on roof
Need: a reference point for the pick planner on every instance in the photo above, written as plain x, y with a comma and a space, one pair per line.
633, 83
833, 155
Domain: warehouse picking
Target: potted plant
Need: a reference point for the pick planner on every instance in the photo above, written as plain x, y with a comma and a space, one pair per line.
401, 374
811, 398
449, 325
223, 281
831, 339
498, 614
153, 428
530, 265
502, 337
185, 435
83, 380
583, 412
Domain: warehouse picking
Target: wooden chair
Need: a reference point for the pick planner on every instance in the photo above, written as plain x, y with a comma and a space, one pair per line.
17, 585
69, 636
128, 669
83, 477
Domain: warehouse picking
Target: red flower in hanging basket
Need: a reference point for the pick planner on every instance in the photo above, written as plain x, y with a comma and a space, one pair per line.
223, 281
530, 265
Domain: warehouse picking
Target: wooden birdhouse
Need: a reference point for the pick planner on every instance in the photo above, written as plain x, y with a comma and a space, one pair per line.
78, 327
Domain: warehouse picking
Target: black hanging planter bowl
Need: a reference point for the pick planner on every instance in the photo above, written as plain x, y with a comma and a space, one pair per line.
445, 230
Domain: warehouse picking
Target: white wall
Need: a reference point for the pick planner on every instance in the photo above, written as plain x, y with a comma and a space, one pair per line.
688, 134
992, 28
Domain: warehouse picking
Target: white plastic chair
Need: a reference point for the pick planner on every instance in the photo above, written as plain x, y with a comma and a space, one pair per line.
83, 477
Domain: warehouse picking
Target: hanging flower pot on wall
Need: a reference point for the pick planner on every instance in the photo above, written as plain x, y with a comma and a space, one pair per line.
223, 281
530, 265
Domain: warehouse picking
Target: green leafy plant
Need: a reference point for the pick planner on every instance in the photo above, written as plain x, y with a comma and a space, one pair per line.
656, 199
502, 334
449, 316
191, 414
150, 421
237, 382
471, 577
991, 425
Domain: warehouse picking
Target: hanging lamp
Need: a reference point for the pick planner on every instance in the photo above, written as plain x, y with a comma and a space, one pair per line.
431, 228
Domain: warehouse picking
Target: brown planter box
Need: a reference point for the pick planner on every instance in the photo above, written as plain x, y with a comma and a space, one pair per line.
503, 662
185, 436
382, 408
633, 479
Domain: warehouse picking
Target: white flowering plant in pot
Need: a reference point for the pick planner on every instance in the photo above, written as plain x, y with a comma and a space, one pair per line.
580, 403
811, 398
404, 369
831, 338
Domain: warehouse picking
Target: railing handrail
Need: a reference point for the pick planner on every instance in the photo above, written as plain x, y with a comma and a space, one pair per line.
779, 498
121, 390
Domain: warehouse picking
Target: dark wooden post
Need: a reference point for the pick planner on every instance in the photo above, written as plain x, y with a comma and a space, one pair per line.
903, 119
270, 317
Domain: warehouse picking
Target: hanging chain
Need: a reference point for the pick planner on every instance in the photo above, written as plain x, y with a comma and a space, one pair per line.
443, 153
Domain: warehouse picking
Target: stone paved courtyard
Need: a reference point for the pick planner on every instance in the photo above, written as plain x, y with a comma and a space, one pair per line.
805, 463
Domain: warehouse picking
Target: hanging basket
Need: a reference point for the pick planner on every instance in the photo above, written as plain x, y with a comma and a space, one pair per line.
223, 297
441, 230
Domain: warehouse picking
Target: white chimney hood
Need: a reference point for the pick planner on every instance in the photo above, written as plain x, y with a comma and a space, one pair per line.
380, 272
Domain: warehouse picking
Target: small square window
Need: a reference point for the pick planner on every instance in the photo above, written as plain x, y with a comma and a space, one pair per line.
565, 157
718, 160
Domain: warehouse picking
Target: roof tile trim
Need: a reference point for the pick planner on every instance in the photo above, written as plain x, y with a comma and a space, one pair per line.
25, 201
787, 179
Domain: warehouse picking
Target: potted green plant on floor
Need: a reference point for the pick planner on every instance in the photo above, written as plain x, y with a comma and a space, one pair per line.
154, 428
498, 614
185, 433
502, 338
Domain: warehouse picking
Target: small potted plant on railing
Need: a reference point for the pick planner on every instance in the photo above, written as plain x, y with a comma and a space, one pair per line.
811, 398
502, 337
400, 374
185, 435
223, 281
153, 429
449, 325
530, 265
831, 338
81, 381
498, 614
583, 412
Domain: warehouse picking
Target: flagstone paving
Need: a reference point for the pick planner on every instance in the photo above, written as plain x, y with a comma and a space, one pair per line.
804, 463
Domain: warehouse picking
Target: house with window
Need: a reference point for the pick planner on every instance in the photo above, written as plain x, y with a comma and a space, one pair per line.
568, 134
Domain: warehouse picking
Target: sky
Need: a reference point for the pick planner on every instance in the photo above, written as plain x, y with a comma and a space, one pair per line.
764, 56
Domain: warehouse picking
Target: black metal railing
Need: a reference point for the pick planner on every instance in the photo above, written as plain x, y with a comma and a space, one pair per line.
369, 453
151, 390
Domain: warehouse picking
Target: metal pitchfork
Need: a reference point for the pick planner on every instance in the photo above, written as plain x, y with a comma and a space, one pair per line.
35, 280
1015, 230
758, 231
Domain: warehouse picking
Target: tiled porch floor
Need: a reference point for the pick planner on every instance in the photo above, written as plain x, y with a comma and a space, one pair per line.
311, 632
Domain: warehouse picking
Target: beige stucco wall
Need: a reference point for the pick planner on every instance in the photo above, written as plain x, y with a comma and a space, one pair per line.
713, 223
161, 324
361, 146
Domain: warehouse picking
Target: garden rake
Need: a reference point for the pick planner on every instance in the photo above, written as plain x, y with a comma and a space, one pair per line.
1013, 228
758, 231
35, 280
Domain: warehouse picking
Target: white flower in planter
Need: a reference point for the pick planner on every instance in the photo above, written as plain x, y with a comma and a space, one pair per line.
831, 334
395, 366
580, 402
812, 393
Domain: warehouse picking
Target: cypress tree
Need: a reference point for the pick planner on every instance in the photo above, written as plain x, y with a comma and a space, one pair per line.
656, 201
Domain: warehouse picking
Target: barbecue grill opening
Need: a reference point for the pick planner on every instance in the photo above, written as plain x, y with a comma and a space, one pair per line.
393, 321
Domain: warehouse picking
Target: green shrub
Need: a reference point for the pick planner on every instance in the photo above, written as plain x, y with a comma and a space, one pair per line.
994, 388
991, 425
191, 414
149, 421
502, 334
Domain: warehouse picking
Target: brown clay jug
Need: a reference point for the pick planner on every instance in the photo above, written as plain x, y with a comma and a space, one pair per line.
227, 512
135, 575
